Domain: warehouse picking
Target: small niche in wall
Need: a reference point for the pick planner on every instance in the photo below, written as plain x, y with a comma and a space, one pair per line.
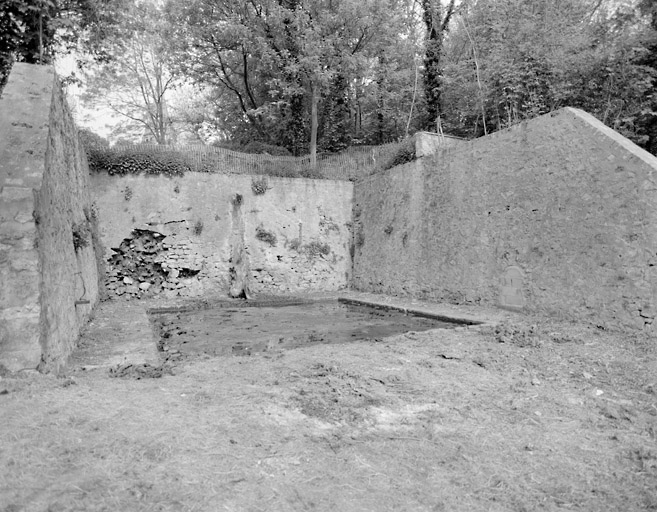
511, 294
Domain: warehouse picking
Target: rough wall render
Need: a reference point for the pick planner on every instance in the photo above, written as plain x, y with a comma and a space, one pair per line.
273, 235
23, 136
66, 219
558, 215
44, 194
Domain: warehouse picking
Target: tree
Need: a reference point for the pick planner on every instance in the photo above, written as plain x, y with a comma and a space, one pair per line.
296, 70
436, 26
34, 30
26, 33
510, 60
132, 75
647, 121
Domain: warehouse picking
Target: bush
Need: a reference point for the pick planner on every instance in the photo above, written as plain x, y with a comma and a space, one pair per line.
136, 161
316, 248
261, 148
405, 154
265, 236
90, 139
259, 186
81, 235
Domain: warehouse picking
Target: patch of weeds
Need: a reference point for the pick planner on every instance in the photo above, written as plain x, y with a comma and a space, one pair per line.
265, 236
93, 221
405, 154
81, 234
260, 185
294, 244
127, 193
360, 239
327, 224
388, 229
316, 248
90, 212
139, 371
312, 249
522, 336
176, 189
198, 227
310, 173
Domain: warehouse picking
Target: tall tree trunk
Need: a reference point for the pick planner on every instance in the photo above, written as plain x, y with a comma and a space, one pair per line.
436, 26
336, 131
313, 125
380, 100
296, 110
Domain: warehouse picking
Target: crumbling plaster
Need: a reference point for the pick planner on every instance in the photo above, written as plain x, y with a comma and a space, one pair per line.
196, 214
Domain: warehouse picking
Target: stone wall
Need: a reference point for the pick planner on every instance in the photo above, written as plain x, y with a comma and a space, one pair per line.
49, 286
557, 215
211, 234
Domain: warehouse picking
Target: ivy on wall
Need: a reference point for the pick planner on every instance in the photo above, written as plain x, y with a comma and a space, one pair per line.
136, 161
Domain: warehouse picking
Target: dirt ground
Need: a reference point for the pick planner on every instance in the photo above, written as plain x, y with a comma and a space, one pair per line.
530, 415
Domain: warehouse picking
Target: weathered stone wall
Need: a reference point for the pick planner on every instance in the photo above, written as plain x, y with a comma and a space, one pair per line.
65, 217
557, 215
48, 287
427, 143
23, 135
197, 232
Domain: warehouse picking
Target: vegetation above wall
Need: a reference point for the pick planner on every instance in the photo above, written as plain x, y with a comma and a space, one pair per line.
177, 160
404, 154
137, 161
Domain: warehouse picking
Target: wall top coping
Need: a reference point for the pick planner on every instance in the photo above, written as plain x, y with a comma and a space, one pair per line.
616, 137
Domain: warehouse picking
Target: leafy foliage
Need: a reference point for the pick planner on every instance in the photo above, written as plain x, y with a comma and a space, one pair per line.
90, 139
32, 30
259, 186
136, 161
291, 73
404, 154
266, 236
329, 74
511, 60
316, 248
262, 148
132, 76
81, 235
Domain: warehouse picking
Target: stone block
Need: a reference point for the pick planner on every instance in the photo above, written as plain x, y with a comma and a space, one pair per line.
24, 260
19, 337
12, 193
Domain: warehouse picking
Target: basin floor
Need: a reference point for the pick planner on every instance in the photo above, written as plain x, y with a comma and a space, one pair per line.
531, 414
252, 330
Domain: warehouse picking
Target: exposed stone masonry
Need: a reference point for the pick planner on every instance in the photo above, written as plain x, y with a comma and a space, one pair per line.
48, 263
292, 238
145, 265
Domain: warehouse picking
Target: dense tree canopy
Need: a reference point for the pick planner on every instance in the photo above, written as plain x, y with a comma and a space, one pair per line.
319, 75
512, 60
287, 71
34, 30
131, 73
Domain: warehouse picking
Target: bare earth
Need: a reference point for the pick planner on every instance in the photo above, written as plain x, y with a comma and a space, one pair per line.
536, 415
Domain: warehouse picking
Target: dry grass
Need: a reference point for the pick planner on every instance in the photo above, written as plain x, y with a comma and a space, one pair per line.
452, 421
